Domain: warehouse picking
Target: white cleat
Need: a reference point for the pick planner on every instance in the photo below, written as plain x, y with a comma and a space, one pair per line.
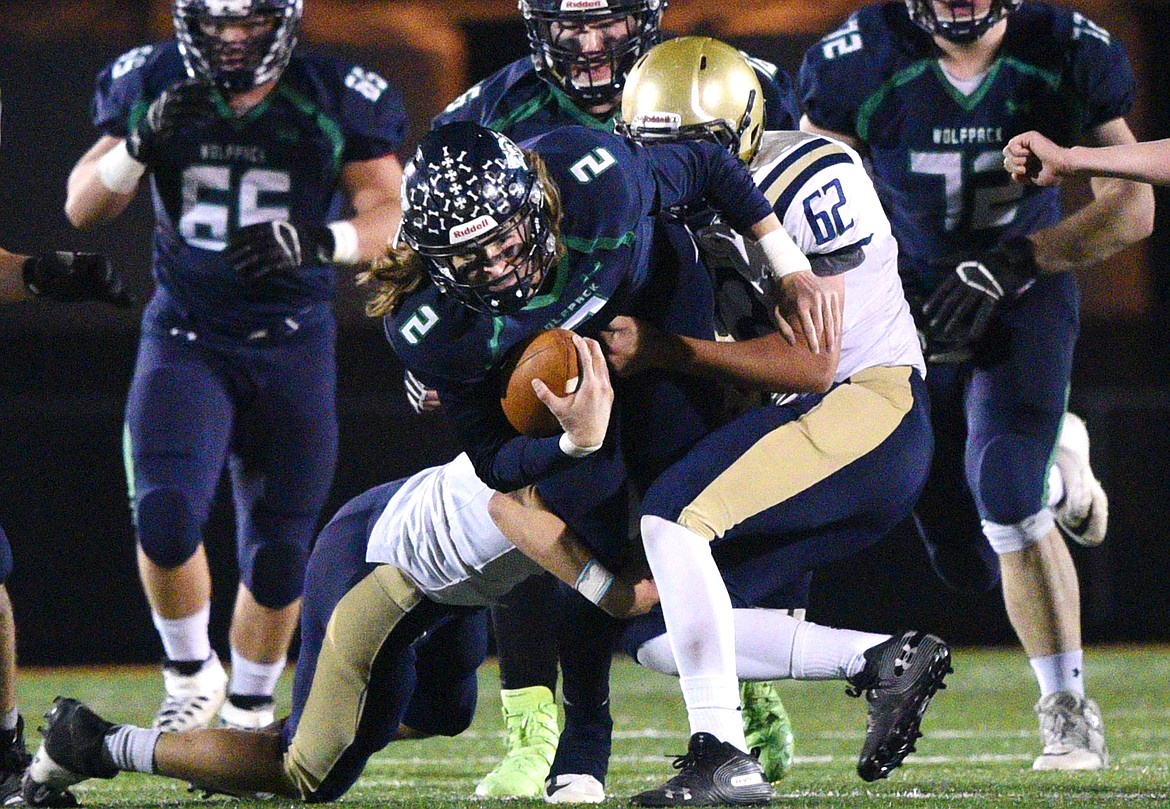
1083, 514
192, 700
574, 788
256, 718
1072, 732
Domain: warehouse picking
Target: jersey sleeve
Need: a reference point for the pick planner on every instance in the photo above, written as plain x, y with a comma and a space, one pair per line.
372, 115
470, 105
120, 86
1101, 72
835, 77
781, 105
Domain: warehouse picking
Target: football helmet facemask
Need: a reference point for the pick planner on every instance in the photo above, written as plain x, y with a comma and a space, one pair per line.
586, 47
959, 21
237, 44
473, 207
694, 88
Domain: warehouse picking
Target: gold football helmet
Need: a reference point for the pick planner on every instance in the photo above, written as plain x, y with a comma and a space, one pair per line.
694, 88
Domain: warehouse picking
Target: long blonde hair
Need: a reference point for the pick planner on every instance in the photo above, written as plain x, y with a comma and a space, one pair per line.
401, 270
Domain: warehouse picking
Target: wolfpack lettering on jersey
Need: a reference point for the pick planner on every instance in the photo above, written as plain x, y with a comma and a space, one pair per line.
827, 203
280, 160
1056, 72
518, 103
436, 529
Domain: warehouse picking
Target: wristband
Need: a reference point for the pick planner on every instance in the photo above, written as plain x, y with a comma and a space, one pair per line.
345, 243
572, 450
594, 581
784, 257
118, 171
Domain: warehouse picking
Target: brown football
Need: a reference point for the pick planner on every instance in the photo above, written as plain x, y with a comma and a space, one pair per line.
550, 357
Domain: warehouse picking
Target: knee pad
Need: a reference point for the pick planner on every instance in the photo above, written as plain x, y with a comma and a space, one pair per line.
1017, 537
168, 530
274, 571
1009, 478
443, 714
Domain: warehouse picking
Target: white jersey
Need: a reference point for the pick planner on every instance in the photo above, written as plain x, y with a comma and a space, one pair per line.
436, 529
827, 203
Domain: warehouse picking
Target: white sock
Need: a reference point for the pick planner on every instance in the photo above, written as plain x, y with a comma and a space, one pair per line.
10, 719
773, 645
252, 679
824, 653
1055, 486
131, 748
185, 638
700, 626
1064, 671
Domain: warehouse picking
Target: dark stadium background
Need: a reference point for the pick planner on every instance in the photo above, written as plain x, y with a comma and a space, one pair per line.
64, 370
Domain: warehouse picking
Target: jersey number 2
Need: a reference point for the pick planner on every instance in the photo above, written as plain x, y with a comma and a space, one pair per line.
210, 199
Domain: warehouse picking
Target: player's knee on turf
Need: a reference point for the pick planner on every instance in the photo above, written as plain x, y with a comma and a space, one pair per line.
448, 716
168, 530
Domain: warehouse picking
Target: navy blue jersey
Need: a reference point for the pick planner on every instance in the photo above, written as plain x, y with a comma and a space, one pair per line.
280, 160
515, 101
936, 152
611, 190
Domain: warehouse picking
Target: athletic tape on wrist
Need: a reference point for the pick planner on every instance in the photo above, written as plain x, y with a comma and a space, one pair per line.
345, 243
784, 257
574, 451
594, 581
118, 171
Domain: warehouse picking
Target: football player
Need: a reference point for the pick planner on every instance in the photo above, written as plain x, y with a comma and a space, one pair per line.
807, 480
248, 145
61, 276
392, 633
575, 73
1033, 159
932, 90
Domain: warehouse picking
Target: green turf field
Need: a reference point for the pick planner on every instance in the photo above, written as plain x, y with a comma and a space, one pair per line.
980, 740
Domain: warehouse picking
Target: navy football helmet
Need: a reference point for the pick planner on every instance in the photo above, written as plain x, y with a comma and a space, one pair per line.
959, 24
624, 30
237, 64
473, 207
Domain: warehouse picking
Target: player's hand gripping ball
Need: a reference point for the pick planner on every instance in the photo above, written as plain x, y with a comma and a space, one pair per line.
550, 357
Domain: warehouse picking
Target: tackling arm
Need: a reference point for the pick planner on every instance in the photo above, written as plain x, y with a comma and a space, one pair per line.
373, 188
1121, 213
1033, 159
89, 201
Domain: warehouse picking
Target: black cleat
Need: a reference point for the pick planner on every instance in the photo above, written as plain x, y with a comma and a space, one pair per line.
14, 758
899, 679
72, 751
712, 773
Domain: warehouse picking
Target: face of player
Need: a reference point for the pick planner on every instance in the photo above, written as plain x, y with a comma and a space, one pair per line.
501, 264
239, 43
593, 42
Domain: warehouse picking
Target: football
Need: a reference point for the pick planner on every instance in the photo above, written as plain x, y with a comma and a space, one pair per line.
550, 357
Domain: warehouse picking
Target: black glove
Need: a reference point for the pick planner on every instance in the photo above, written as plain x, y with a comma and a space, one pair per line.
183, 102
64, 276
257, 251
959, 311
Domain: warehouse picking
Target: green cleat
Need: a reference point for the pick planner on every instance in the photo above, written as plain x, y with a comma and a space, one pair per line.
530, 715
767, 728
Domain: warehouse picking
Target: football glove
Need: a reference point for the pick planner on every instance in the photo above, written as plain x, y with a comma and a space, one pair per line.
257, 251
64, 276
422, 399
960, 309
183, 102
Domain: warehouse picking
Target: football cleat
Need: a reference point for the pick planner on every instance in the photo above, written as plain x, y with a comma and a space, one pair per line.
73, 750
247, 713
712, 773
767, 728
14, 758
1082, 515
530, 714
193, 696
899, 679
1072, 732
574, 788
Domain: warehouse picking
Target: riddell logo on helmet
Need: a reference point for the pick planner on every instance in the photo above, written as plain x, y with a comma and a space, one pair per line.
583, 5
658, 120
461, 233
